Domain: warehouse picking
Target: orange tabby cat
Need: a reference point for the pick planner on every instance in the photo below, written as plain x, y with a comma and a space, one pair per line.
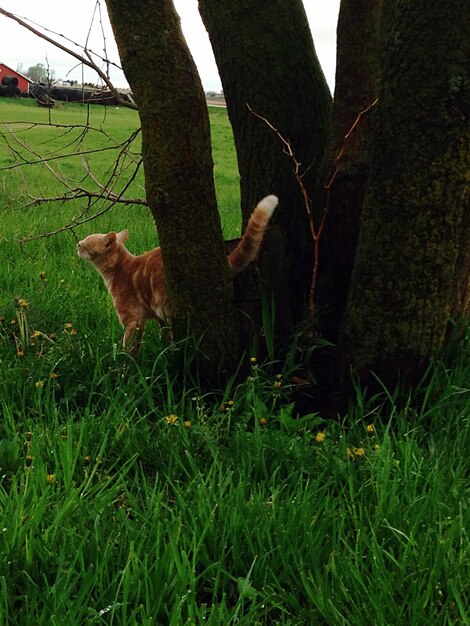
137, 283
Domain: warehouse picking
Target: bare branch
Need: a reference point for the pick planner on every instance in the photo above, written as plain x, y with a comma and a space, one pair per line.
81, 219
86, 61
315, 232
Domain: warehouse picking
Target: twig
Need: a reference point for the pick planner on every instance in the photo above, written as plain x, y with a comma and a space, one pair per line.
78, 221
315, 232
86, 61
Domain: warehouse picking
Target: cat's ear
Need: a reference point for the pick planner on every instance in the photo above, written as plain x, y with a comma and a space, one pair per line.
123, 235
109, 238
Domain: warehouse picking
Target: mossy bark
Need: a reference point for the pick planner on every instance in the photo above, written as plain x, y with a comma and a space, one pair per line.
412, 265
266, 59
178, 168
356, 88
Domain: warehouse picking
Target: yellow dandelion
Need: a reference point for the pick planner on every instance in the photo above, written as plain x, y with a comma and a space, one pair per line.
73, 331
20, 354
263, 421
171, 419
50, 478
13, 321
355, 452
22, 303
320, 437
277, 384
370, 428
87, 459
253, 360
187, 424
38, 384
53, 375
35, 334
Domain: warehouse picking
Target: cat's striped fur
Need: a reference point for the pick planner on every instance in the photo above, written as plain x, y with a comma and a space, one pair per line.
137, 283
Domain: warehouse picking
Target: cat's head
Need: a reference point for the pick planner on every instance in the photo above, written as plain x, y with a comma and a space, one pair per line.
99, 247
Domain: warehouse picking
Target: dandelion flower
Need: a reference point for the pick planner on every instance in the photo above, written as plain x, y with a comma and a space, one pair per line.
171, 419
53, 375
50, 478
226, 406
38, 384
370, 428
263, 421
277, 384
35, 334
22, 303
320, 437
87, 459
187, 424
20, 354
253, 360
355, 452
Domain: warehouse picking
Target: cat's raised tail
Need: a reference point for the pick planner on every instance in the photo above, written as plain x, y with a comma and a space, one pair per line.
250, 243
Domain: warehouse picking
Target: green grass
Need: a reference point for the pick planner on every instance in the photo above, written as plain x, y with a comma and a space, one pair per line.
127, 496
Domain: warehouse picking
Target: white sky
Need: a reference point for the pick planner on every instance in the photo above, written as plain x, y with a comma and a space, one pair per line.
72, 19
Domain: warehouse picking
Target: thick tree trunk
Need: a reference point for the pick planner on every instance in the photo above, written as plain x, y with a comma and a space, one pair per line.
267, 60
178, 169
412, 267
356, 88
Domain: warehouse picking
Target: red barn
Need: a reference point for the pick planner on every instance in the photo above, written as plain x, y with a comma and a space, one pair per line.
23, 82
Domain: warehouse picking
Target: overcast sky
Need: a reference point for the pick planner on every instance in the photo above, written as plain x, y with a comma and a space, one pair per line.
73, 19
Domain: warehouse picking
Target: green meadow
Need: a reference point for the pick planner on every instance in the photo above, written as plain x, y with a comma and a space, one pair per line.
128, 495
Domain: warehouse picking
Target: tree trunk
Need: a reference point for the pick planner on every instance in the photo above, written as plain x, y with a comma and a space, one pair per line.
178, 167
266, 59
412, 266
356, 88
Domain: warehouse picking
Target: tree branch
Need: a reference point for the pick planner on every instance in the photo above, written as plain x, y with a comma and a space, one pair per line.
315, 232
86, 61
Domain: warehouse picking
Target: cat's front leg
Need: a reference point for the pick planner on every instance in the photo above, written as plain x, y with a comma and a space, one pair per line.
133, 332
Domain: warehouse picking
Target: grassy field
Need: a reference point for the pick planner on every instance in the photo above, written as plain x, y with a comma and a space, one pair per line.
127, 496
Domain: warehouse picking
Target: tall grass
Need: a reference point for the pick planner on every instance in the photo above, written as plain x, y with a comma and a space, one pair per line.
129, 496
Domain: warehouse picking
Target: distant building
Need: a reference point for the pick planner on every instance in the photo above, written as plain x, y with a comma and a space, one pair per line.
23, 81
